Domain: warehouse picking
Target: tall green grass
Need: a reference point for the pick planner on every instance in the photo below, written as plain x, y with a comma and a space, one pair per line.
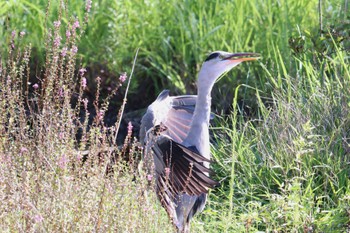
175, 36
281, 154
288, 170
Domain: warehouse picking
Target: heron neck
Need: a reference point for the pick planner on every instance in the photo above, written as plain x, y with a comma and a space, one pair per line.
199, 131
203, 103
203, 106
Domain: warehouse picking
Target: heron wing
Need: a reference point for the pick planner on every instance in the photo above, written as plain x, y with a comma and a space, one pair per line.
179, 117
180, 169
174, 112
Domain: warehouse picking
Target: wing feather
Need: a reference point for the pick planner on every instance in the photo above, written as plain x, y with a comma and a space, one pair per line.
182, 167
174, 112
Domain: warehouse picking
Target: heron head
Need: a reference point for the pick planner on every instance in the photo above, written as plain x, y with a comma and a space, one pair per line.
219, 62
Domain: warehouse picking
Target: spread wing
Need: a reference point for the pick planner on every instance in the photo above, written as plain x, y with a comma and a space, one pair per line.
163, 128
174, 112
179, 169
180, 116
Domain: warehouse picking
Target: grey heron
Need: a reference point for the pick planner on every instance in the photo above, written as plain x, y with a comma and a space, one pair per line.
175, 133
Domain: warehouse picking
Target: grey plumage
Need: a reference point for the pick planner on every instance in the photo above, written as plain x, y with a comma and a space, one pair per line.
175, 134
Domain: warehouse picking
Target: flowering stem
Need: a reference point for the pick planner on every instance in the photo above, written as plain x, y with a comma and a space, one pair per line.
121, 111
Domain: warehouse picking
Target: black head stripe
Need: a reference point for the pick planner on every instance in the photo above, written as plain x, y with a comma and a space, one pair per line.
212, 56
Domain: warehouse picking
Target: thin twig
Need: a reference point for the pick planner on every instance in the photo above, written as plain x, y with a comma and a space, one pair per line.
320, 15
121, 111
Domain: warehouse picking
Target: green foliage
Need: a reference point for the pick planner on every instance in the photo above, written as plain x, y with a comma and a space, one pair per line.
174, 36
289, 172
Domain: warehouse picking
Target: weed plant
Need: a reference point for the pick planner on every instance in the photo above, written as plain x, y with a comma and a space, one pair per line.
56, 170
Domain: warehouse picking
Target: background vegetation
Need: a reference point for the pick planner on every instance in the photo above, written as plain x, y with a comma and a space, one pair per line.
280, 139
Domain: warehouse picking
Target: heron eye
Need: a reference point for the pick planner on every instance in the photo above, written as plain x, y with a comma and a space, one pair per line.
222, 57
212, 56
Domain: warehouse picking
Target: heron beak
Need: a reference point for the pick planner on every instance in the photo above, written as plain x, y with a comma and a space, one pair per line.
240, 57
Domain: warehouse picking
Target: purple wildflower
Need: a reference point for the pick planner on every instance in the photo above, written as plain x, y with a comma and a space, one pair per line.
100, 115
79, 157
130, 128
57, 24
38, 218
64, 52
74, 49
63, 161
22, 33
35, 86
82, 71
122, 77
68, 34
149, 177
76, 24
88, 5
83, 82
24, 150
57, 41
60, 92
55, 58
85, 101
